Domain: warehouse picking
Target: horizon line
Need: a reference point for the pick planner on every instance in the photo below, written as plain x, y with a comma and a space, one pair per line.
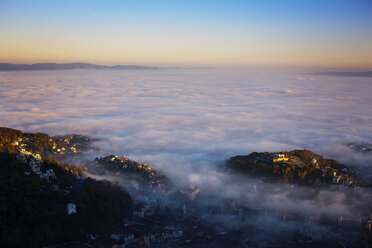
188, 66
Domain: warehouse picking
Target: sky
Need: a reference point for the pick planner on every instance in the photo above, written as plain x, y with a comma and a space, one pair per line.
324, 33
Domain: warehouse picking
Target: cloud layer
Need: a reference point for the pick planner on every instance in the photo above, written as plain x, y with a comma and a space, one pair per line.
200, 116
187, 122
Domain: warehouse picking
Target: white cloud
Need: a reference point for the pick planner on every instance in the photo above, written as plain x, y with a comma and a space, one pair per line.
192, 118
189, 111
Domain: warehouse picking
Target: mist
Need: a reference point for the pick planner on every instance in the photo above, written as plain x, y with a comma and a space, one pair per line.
193, 117
179, 119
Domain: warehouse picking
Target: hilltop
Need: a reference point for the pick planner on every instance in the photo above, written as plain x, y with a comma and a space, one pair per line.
68, 66
297, 166
13, 140
139, 174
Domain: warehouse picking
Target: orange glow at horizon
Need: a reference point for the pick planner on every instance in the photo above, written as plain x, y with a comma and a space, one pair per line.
177, 34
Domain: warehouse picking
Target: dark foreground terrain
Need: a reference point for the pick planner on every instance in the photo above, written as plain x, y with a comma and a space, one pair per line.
114, 201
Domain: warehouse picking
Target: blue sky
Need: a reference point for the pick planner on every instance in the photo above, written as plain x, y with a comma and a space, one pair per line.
308, 33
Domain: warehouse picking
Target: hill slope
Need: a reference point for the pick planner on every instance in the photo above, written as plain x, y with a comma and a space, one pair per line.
297, 166
35, 190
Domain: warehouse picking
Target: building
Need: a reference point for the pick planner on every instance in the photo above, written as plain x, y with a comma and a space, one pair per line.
35, 166
228, 206
71, 208
184, 209
50, 173
368, 224
191, 192
21, 157
280, 158
140, 210
313, 161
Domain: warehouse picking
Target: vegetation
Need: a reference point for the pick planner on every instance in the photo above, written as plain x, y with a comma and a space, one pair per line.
12, 140
33, 212
303, 167
127, 168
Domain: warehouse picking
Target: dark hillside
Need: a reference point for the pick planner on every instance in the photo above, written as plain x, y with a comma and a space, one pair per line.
33, 210
297, 166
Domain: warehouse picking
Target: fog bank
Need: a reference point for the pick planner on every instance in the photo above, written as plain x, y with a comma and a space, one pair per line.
190, 119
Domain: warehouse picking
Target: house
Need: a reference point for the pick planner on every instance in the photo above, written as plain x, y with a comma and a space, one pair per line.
349, 221
44, 176
139, 211
191, 192
50, 173
71, 208
368, 224
35, 166
124, 237
314, 162
228, 206
21, 157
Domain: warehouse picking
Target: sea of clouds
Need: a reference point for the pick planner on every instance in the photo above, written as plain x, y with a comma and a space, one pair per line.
187, 122
194, 116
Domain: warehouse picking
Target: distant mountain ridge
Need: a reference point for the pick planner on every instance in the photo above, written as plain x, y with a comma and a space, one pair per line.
343, 73
68, 66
